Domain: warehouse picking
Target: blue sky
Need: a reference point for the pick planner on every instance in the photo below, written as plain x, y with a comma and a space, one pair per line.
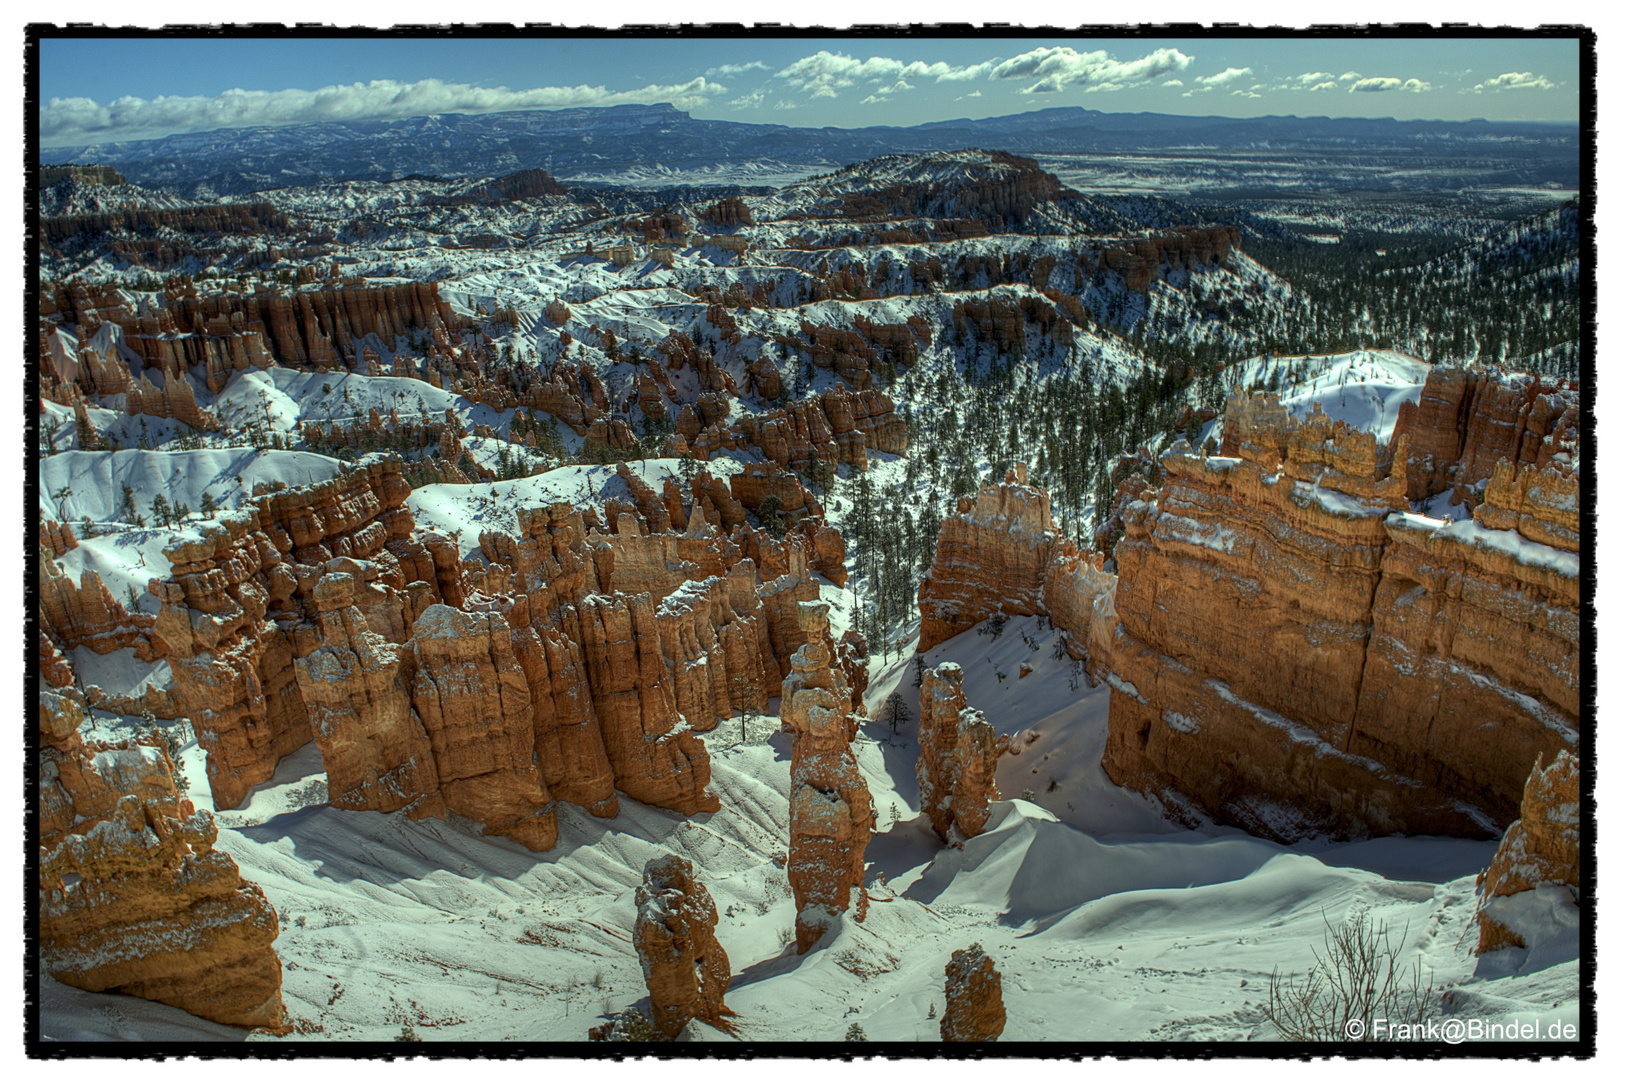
98, 90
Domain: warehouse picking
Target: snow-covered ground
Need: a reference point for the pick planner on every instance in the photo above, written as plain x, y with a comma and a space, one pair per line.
1106, 921
1363, 389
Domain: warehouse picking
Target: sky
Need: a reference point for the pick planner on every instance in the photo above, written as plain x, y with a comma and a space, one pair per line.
98, 90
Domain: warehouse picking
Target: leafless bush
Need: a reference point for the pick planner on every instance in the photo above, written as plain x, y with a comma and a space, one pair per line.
1358, 978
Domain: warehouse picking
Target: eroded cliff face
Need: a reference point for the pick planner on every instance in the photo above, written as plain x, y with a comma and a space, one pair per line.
1291, 646
563, 663
957, 757
830, 808
1296, 651
1542, 847
992, 556
685, 968
133, 895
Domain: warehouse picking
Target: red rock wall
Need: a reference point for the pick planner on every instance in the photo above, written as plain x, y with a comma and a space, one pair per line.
1293, 653
991, 556
133, 896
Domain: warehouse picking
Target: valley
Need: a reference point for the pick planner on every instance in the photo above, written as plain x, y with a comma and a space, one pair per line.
694, 594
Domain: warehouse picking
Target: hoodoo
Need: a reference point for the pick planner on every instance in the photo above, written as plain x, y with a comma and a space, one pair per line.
830, 809
957, 757
684, 967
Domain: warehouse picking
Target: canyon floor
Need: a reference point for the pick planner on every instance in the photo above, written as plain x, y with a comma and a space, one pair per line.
1106, 921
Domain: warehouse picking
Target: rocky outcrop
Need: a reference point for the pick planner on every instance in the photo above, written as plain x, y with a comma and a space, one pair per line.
974, 1010
837, 427
827, 551
474, 701
87, 615
1468, 419
830, 808
1294, 649
374, 746
232, 666
656, 757
727, 213
992, 556
174, 400
561, 664
1291, 646
1543, 845
685, 968
133, 895
228, 331
1295, 658
957, 757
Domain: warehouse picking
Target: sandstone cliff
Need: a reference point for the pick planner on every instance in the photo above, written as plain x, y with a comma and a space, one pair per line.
1291, 647
133, 895
992, 556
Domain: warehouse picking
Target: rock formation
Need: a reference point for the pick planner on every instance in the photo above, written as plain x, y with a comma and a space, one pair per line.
975, 1006
1291, 647
474, 702
133, 895
992, 556
685, 969
957, 757
174, 400
1543, 845
830, 809
86, 614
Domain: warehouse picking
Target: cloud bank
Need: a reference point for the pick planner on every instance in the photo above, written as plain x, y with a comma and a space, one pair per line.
1515, 80
1056, 68
65, 121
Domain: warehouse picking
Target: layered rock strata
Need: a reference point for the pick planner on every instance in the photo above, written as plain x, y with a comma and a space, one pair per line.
133, 895
1291, 646
830, 808
1296, 651
566, 663
685, 968
957, 757
992, 556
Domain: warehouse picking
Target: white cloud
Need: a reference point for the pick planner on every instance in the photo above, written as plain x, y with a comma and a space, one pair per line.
1383, 84
1349, 76
1055, 68
66, 121
1328, 85
1515, 80
826, 74
1310, 78
752, 100
884, 92
974, 93
1173, 82
782, 105
725, 70
1229, 75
